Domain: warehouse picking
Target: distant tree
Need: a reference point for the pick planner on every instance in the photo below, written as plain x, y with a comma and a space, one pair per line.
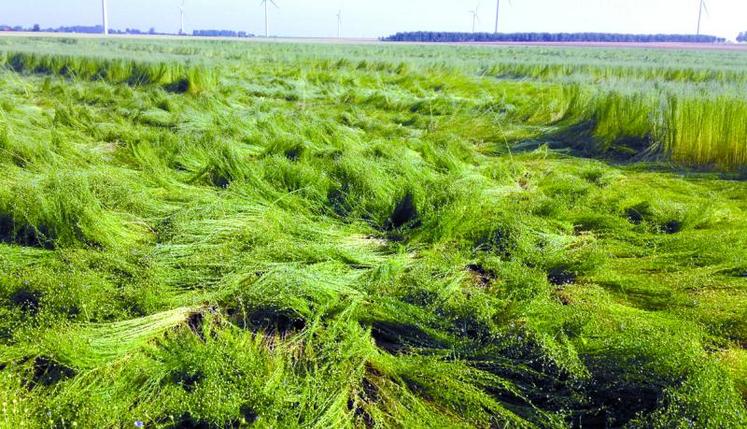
79, 29
36, 28
742, 37
221, 33
152, 30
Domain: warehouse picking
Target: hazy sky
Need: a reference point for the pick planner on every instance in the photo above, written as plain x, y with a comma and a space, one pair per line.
373, 18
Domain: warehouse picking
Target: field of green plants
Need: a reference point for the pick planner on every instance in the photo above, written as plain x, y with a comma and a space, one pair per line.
204, 234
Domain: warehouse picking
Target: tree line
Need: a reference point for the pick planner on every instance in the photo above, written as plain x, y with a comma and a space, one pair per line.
71, 29
453, 37
742, 37
221, 33
98, 29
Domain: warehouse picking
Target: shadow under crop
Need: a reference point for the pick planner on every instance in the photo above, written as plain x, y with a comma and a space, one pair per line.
24, 234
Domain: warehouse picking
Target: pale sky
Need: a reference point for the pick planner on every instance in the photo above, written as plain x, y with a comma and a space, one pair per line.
374, 18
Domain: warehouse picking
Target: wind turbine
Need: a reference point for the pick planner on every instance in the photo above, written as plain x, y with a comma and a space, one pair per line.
267, 15
105, 17
339, 23
181, 18
701, 9
475, 17
497, 14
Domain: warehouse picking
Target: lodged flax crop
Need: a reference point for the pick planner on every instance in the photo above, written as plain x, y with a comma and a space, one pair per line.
217, 234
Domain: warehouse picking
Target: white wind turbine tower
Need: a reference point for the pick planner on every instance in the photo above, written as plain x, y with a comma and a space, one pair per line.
267, 15
105, 17
497, 14
701, 9
181, 18
475, 17
339, 23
